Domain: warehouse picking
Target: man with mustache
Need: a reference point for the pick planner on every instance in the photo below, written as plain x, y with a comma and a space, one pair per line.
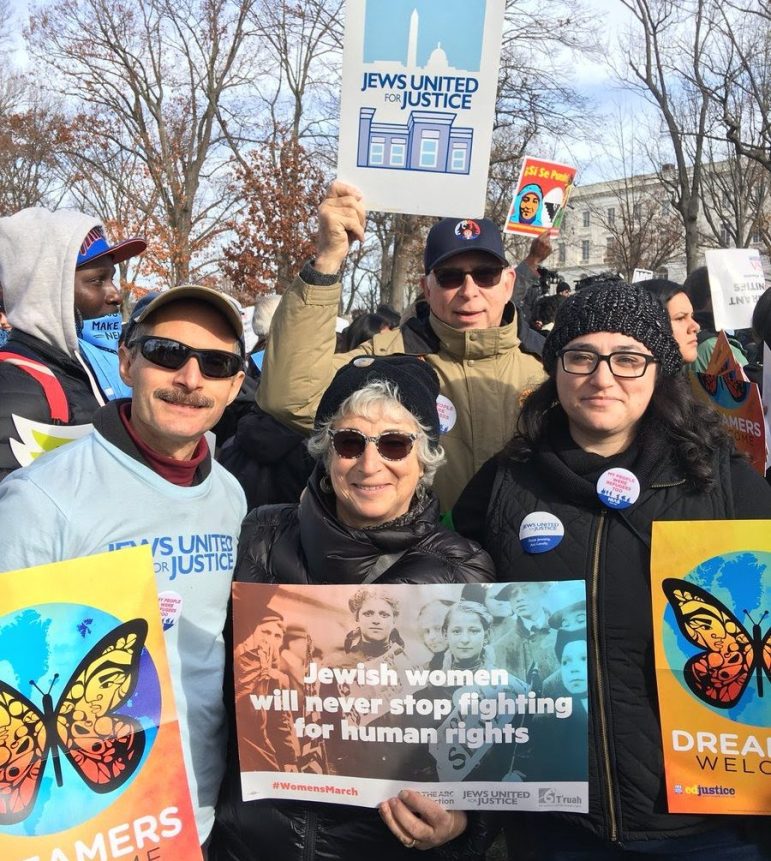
146, 476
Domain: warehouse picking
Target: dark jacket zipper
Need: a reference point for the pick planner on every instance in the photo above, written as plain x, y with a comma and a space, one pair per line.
604, 749
309, 843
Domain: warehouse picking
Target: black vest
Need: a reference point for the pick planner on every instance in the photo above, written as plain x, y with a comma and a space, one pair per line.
610, 550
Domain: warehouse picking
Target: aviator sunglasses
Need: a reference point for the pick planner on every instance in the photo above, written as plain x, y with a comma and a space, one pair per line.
218, 364
484, 276
391, 445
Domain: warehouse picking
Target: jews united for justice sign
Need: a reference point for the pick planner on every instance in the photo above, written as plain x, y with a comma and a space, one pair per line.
418, 101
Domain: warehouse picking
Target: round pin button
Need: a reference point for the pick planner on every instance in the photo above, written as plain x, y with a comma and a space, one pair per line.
448, 415
618, 488
363, 362
540, 531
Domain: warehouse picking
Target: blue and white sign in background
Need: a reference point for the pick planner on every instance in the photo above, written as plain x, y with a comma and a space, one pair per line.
418, 102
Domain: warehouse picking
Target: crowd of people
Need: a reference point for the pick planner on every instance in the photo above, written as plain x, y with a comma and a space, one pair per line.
328, 459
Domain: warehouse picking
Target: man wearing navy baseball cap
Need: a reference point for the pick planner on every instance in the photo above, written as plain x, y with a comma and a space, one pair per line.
465, 326
60, 363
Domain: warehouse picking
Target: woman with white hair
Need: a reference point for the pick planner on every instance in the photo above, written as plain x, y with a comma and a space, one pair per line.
366, 516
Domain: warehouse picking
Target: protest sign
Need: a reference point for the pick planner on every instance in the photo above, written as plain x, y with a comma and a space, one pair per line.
89, 742
641, 275
418, 101
540, 198
722, 359
710, 581
741, 409
736, 282
36, 438
382, 688
250, 339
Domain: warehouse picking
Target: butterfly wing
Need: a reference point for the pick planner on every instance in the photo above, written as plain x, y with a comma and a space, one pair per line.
104, 746
24, 745
765, 659
719, 674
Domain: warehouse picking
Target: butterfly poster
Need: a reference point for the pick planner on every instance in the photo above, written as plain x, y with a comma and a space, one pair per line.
90, 755
739, 404
711, 589
723, 361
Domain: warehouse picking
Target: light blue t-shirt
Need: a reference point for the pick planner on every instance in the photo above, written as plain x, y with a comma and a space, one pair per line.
90, 497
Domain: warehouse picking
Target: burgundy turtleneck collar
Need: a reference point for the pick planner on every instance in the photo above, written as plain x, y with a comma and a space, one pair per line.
179, 472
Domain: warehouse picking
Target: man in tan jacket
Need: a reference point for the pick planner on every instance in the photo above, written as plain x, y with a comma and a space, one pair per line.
467, 329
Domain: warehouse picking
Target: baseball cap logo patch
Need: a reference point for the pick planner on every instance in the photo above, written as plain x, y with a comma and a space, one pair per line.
467, 229
94, 245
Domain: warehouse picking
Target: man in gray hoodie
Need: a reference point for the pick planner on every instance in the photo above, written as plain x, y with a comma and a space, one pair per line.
57, 270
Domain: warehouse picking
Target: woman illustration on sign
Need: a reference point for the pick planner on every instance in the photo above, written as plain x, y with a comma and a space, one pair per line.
528, 206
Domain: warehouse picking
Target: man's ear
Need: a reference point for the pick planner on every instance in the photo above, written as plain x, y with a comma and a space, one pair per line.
125, 364
235, 387
424, 286
512, 275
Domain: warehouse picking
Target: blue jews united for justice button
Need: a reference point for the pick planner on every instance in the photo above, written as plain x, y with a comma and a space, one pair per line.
540, 532
618, 488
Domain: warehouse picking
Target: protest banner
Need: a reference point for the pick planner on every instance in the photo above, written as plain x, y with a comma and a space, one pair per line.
741, 409
418, 101
736, 282
710, 582
387, 687
540, 198
90, 756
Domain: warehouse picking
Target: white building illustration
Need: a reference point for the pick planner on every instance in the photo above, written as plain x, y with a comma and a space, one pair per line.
428, 141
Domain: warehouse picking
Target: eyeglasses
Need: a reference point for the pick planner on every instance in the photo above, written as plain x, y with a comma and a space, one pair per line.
484, 276
218, 364
621, 364
391, 445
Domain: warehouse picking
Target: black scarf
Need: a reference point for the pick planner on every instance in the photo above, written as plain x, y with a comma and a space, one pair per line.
576, 471
337, 553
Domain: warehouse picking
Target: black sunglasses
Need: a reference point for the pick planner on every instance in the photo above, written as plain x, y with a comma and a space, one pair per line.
484, 276
391, 445
218, 364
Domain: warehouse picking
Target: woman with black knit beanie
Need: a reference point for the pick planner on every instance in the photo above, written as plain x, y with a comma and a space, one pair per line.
614, 413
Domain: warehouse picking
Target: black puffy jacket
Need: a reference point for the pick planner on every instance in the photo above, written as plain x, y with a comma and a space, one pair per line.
21, 395
268, 458
307, 544
611, 551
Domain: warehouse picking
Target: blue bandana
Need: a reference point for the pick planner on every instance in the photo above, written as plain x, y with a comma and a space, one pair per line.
99, 346
103, 331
